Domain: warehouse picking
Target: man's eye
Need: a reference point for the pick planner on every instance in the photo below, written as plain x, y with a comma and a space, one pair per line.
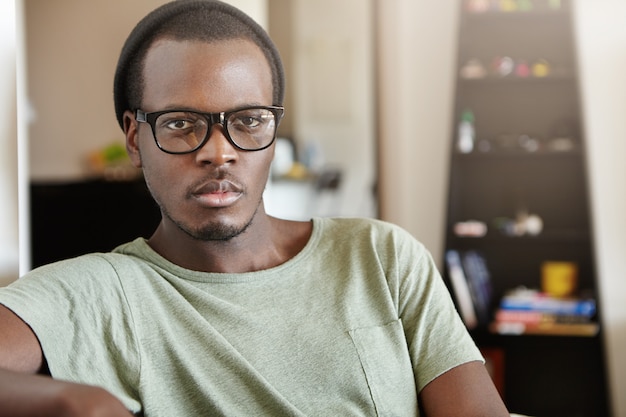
248, 121
179, 124
177, 121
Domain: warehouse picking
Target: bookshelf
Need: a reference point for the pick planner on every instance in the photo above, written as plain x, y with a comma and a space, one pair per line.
518, 202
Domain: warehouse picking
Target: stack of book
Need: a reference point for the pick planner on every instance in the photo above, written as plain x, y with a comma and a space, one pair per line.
524, 311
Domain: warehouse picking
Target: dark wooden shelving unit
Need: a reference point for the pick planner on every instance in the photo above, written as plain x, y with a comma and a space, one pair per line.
529, 157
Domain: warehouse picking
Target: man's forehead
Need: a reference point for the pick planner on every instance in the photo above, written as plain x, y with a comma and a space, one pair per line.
176, 56
225, 73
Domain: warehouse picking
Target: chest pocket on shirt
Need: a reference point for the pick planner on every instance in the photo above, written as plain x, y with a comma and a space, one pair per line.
384, 355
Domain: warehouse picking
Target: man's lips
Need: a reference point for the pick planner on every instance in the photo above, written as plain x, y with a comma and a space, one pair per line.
217, 193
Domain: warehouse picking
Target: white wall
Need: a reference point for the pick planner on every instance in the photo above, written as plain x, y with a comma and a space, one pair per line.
8, 144
602, 56
417, 54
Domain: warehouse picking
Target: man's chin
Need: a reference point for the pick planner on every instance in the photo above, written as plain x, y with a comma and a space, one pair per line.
215, 231
219, 232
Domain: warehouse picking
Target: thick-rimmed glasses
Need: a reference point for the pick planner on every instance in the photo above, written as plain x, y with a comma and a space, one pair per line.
185, 131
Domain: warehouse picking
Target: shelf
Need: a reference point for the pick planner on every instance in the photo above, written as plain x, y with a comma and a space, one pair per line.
517, 75
550, 237
517, 154
508, 17
558, 76
540, 12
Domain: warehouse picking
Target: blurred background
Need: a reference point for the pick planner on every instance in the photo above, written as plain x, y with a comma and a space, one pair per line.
370, 120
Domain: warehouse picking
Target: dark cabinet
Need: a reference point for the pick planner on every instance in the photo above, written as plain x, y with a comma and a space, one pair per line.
518, 207
78, 217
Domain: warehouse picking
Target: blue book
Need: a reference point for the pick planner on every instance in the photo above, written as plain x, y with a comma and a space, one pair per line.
535, 301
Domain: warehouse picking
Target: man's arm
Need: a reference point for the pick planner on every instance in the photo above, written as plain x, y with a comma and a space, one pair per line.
466, 390
24, 393
19, 348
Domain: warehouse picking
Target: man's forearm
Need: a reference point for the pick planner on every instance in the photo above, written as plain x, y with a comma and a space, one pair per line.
25, 395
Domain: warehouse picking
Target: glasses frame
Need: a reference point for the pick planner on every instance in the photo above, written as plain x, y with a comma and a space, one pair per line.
212, 118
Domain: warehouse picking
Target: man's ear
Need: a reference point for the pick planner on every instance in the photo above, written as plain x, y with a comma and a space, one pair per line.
132, 140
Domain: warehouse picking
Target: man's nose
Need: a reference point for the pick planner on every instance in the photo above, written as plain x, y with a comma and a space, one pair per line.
217, 150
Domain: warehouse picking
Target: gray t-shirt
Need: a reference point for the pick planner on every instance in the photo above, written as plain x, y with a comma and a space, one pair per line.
356, 324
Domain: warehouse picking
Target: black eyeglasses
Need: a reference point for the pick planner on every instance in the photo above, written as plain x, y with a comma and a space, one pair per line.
185, 131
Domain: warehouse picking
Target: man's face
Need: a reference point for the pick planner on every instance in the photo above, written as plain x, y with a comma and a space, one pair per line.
215, 192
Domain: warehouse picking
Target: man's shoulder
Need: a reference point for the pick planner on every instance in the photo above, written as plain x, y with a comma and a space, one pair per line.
89, 264
362, 225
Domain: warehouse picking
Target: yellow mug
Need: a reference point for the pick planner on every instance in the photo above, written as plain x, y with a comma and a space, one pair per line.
559, 278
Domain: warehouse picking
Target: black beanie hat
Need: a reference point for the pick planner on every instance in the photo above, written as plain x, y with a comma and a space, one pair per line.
150, 24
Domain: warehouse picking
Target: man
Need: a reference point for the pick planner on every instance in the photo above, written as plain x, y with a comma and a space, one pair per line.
225, 310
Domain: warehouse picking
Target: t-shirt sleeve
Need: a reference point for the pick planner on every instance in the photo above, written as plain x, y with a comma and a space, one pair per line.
438, 339
78, 310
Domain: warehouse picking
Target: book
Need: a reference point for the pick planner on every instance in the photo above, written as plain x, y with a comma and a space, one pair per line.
530, 300
479, 282
549, 329
537, 317
461, 289
524, 311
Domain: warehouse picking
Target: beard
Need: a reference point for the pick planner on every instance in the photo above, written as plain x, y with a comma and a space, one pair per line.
214, 231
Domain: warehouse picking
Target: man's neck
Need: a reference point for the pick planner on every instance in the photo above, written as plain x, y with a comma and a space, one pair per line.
267, 243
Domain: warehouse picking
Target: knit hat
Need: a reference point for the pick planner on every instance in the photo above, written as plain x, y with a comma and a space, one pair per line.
149, 27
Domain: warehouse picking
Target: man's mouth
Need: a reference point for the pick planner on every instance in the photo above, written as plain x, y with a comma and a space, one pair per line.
217, 193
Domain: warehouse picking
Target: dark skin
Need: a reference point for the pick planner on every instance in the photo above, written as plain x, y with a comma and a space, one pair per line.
202, 230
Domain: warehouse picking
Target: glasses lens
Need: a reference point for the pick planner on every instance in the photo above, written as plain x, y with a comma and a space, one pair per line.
180, 132
253, 128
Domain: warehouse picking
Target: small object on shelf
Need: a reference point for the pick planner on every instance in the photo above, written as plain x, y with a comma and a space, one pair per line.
473, 69
520, 223
541, 68
528, 143
524, 5
477, 6
524, 224
522, 69
554, 4
503, 66
561, 144
508, 5
470, 228
467, 134
534, 225
517, 142
505, 225
112, 163
298, 171
559, 278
